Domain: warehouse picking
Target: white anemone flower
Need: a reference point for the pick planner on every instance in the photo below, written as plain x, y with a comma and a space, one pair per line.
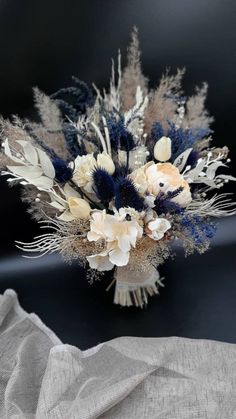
119, 234
157, 228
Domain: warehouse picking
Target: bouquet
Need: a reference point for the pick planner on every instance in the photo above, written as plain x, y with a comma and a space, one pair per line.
115, 176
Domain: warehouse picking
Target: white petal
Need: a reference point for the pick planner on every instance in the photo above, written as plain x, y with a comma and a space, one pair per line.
119, 258
100, 262
162, 149
124, 242
46, 164
79, 208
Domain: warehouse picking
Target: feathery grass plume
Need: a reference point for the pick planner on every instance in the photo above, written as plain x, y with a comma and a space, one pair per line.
162, 105
196, 115
48, 111
53, 140
13, 131
132, 76
104, 185
74, 100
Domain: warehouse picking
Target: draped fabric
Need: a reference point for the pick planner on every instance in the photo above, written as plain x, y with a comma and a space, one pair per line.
125, 378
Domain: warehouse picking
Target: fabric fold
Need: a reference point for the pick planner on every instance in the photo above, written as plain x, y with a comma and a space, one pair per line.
125, 378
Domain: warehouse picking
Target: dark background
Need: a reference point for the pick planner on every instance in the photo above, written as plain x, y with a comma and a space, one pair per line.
43, 43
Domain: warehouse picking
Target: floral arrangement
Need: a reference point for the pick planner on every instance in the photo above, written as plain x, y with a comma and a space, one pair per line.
115, 176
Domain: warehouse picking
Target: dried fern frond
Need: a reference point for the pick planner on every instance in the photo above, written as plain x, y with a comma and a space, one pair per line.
132, 75
162, 107
196, 115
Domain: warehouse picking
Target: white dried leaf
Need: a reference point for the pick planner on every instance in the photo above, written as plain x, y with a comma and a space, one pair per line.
66, 216
211, 170
56, 205
181, 160
27, 172
42, 183
194, 173
30, 152
69, 191
229, 177
46, 164
8, 153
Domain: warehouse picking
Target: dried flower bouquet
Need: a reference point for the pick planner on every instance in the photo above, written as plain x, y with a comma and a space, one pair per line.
116, 176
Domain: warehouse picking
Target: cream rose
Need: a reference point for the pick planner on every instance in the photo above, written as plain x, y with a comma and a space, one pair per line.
165, 177
84, 166
139, 178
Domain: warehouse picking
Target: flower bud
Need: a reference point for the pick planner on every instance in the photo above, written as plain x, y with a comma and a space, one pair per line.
79, 208
105, 162
162, 149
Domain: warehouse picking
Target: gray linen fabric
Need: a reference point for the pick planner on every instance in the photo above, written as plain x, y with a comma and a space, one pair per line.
167, 378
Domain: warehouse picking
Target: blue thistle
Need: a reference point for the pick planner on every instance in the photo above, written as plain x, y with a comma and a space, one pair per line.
63, 172
70, 134
163, 203
157, 131
182, 139
104, 185
126, 195
119, 135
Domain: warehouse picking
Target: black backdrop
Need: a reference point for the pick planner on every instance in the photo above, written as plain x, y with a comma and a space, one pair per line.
43, 43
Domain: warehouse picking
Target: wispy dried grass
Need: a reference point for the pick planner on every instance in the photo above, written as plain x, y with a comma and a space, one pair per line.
196, 114
161, 105
48, 110
39, 210
132, 76
54, 140
13, 131
148, 251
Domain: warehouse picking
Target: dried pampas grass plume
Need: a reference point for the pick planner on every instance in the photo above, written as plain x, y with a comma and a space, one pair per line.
132, 76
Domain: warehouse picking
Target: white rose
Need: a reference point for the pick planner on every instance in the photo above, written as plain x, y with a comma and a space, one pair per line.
79, 208
84, 167
162, 149
105, 161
